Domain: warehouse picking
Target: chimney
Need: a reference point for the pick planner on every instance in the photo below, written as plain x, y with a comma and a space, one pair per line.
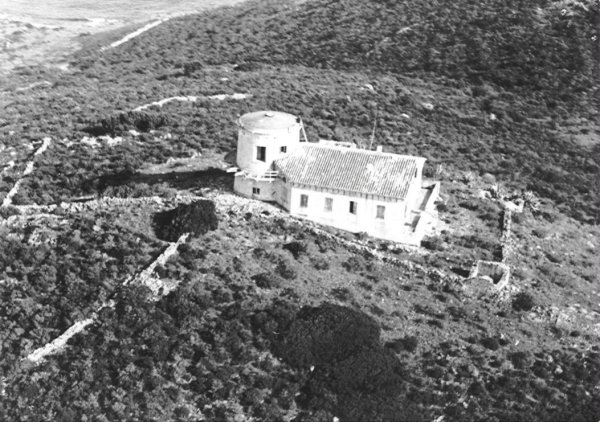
379, 148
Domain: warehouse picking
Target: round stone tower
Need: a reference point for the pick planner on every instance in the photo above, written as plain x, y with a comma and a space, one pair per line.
263, 137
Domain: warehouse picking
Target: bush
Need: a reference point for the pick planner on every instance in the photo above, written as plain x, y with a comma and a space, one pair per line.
196, 218
442, 207
7, 211
434, 243
144, 121
286, 269
267, 280
405, 344
342, 293
520, 360
295, 248
191, 67
354, 264
319, 263
491, 343
523, 302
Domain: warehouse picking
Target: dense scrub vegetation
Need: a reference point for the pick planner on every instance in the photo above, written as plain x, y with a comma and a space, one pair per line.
53, 278
500, 88
272, 321
247, 333
523, 45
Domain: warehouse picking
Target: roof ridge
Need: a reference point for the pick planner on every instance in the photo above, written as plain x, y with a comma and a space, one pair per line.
350, 169
361, 151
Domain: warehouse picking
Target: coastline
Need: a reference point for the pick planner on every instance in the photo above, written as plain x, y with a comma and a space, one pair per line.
27, 42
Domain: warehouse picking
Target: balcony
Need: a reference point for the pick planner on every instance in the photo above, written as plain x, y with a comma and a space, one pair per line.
267, 176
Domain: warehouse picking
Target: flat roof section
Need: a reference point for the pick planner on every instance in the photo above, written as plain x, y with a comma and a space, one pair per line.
261, 121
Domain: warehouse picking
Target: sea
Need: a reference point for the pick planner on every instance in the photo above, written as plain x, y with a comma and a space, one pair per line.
45, 32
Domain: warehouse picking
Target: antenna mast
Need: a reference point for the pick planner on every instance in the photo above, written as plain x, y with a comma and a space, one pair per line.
373, 132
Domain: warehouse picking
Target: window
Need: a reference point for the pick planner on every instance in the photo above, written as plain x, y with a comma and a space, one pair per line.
380, 212
255, 191
303, 201
328, 204
283, 149
261, 153
353, 207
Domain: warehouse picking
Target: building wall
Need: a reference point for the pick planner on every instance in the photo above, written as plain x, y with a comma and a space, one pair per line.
363, 221
268, 189
272, 140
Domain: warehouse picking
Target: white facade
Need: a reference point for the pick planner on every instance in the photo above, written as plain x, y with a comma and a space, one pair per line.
348, 211
382, 210
263, 137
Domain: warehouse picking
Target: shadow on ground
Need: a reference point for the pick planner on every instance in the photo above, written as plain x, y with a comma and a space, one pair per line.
210, 178
349, 373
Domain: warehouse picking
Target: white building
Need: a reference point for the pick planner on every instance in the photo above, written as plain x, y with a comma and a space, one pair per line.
332, 183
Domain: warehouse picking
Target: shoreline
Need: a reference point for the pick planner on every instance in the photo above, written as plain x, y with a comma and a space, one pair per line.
50, 43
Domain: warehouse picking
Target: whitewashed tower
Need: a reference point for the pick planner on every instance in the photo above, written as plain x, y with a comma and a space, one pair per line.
263, 137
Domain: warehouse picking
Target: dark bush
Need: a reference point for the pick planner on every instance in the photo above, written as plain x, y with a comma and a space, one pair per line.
491, 343
523, 301
191, 67
9, 210
342, 293
405, 344
143, 121
520, 360
195, 218
433, 243
354, 264
295, 248
286, 269
267, 280
319, 263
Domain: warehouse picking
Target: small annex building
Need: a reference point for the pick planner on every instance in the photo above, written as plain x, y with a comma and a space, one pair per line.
332, 183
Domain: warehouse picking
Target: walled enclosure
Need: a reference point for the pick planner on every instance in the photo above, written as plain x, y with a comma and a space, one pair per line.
498, 272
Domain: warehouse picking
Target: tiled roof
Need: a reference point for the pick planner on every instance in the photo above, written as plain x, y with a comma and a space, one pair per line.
350, 169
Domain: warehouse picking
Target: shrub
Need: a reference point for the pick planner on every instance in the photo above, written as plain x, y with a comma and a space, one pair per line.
143, 121
434, 243
520, 360
491, 343
286, 269
405, 344
342, 293
295, 248
523, 301
267, 280
191, 67
319, 263
196, 218
354, 264
7, 211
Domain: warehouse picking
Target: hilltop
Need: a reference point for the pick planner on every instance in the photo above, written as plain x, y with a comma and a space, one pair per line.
265, 317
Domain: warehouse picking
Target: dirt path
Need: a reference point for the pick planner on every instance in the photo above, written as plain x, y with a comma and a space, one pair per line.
193, 99
28, 170
134, 34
